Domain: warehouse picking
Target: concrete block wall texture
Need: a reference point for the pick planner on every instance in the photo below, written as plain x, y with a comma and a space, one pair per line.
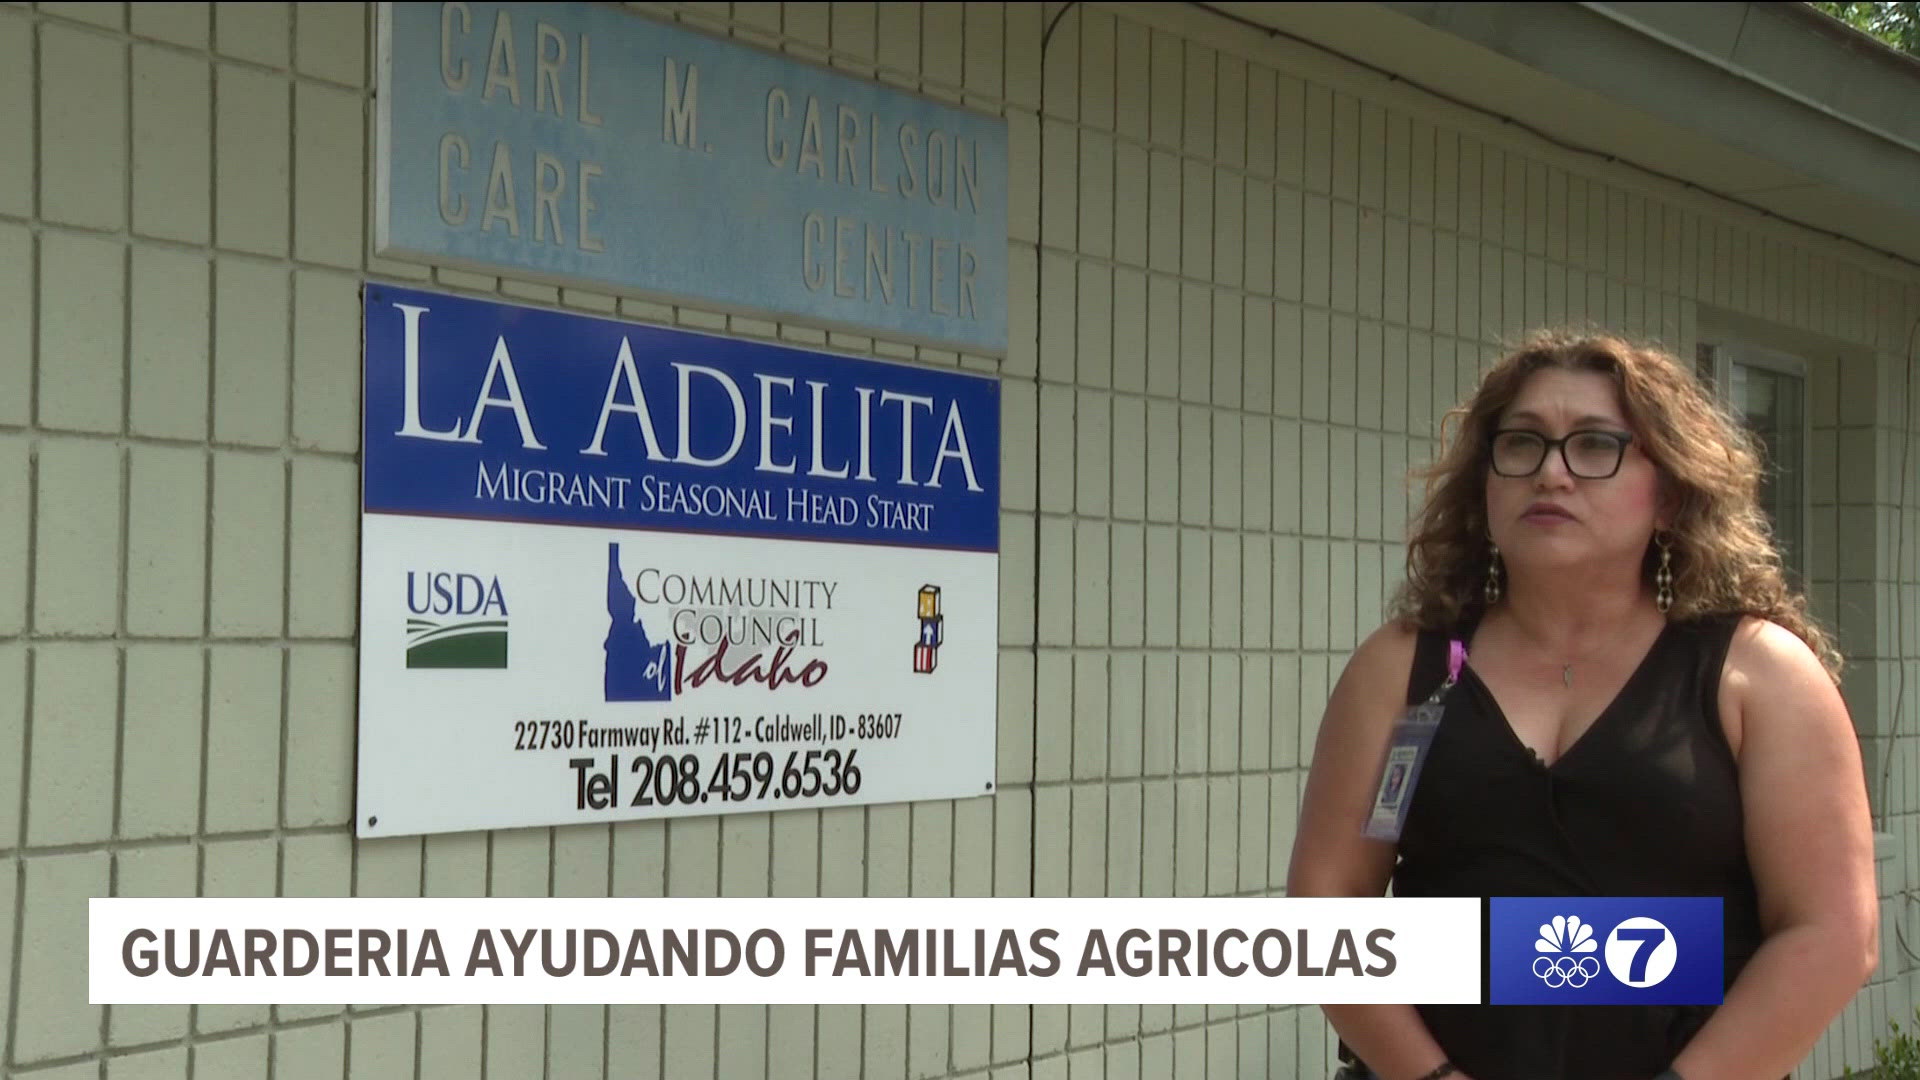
1246, 279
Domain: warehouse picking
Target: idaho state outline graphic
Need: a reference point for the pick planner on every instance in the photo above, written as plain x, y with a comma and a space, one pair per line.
636, 668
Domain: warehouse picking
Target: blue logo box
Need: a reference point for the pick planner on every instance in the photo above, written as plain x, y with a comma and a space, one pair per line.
1574, 950
500, 412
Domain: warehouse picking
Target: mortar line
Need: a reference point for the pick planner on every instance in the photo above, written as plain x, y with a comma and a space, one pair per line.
289, 343
16, 961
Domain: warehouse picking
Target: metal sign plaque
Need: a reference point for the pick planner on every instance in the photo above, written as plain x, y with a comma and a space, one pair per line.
613, 571
581, 143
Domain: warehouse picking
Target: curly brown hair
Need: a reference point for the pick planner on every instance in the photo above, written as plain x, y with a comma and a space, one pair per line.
1724, 559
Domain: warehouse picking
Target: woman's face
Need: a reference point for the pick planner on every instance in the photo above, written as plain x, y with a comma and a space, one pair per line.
1562, 517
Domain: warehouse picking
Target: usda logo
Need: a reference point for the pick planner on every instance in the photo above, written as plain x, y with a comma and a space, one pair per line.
1605, 950
456, 620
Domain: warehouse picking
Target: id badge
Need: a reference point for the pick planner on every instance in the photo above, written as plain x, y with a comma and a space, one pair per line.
1412, 736
1407, 753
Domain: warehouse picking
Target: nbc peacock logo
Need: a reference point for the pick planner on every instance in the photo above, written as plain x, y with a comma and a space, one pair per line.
1565, 946
456, 620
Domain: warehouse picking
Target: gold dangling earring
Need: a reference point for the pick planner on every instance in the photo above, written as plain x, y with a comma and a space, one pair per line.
1492, 589
1663, 577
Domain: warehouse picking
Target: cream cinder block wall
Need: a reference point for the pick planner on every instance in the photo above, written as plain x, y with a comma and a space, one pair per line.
1246, 279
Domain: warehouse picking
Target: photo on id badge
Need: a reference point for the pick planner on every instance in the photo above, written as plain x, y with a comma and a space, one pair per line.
1399, 762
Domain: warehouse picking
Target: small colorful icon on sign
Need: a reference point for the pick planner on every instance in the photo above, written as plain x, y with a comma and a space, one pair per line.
926, 652
469, 624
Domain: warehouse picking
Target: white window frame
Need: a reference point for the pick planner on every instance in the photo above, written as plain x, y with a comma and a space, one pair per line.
1730, 351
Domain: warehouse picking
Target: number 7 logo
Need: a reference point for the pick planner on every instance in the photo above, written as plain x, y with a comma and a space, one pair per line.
1641, 952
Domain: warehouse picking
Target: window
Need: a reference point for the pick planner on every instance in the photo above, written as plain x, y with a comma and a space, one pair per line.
1768, 390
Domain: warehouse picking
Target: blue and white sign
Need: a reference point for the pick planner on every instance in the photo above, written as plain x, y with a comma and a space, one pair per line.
613, 571
1655, 950
584, 143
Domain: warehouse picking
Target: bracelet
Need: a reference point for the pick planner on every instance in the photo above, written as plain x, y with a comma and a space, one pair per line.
1446, 1068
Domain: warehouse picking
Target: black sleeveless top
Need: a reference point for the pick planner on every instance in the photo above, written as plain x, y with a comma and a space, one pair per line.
1645, 803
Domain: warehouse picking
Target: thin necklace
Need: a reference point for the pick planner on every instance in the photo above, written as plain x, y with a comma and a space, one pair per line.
1566, 670
1566, 667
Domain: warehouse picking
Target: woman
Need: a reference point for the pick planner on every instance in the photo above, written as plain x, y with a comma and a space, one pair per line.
1645, 709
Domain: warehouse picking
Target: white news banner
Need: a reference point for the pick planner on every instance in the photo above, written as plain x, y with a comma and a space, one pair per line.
783, 951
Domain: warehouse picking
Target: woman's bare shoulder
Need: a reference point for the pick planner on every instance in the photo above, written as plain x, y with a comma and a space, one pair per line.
1764, 655
1391, 640
1768, 666
1380, 666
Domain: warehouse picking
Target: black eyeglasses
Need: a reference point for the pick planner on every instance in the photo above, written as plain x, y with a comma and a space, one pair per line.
1589, 455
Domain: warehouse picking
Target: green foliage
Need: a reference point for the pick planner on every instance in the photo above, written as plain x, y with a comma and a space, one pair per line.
1897, 24
1895, 1058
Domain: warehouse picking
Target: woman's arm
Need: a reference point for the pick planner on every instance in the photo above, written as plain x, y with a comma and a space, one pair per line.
1810, 840
1332, 858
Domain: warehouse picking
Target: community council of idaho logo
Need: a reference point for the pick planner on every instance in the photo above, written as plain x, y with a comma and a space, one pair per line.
455, 620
